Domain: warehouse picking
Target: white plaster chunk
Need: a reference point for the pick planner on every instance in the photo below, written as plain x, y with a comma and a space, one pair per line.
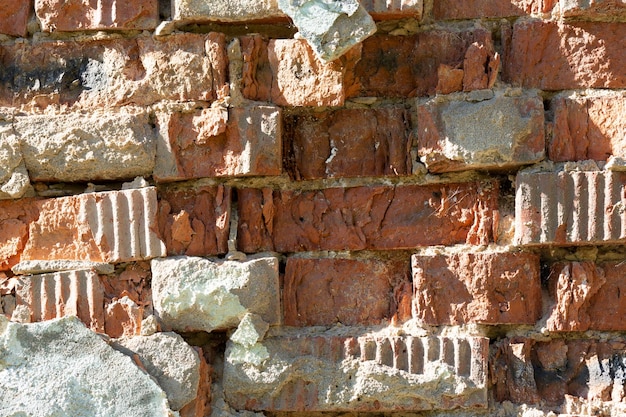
191, 293
81, 147
14, 180
170, 360
331, 27
60, 368
251, 330
44, 266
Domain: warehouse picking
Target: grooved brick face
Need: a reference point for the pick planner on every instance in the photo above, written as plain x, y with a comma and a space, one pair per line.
592, 57
350, 143
376, 217
14, 16
322, 292
490, 288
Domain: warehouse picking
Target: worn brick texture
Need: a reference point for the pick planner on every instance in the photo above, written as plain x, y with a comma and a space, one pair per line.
429, 222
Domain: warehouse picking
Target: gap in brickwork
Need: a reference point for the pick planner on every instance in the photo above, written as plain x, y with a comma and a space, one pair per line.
165, 9
272, 30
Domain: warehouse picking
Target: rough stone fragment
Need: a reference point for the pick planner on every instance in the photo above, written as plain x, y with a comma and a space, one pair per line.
570, 207
170, 360
528, 371
480, 67
350, 143
330, 28
472, 9
66, 16
226, 11
366, 373
195, 222
603, 10
588, 127
83, 147
449, 79
115, 226
484, 287
377, 217
114, 72
14, 17
14, 179
326, 291
407, 66
591, 58
197, 294
218, 143
60, 366
123, 318
251, 329
39, 267
60, 294
455, 133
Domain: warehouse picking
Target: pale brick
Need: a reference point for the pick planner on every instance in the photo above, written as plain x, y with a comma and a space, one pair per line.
60, 294
377, 217
213, 142
14, 178
588, 127
332, 373
14, 16
456, 133
322, 292
350, 143
114, 72
593, 56
603, 10
483, 287
66, 16
570, 207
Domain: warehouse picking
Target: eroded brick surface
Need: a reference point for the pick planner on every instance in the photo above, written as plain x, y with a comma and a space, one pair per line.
14, 16
602, 10
376, 217
472, 9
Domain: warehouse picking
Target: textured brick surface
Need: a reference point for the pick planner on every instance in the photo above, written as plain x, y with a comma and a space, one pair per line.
348, 291
366, 217
570, 207
472, 9
588, 127
320, 373
114, 72
195, 222
350, 143
490, 288
501, 132
592, 57
594, 9
217, 143
14, 16
61, 15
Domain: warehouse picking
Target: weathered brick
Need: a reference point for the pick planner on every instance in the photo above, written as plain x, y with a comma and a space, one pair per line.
60, 294
114, 72
85, 147
528, 371
588, 127
15, 218
215, 142
66, 16
195, 222
570, 207
587, 296
592, 57
287, 72
350, 143
348, 371
484, 287
385, 9
478, 9
14, 16
407, 66
122, 318
593, 9
322, 292
377, 217
500, 132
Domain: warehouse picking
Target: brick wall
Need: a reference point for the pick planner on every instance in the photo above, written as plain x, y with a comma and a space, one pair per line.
408, 206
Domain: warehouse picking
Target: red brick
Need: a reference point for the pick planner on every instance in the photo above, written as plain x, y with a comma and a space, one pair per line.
215, 142
195, 222
588, 128
385, 10
114, 72
123, 318
377, 217
532, 372
603, 10
479, 9
15, 218
593, 55
350, 143
487, 288
407, 66
14, 16
288, 73
587, 296
62, 15
323, 292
